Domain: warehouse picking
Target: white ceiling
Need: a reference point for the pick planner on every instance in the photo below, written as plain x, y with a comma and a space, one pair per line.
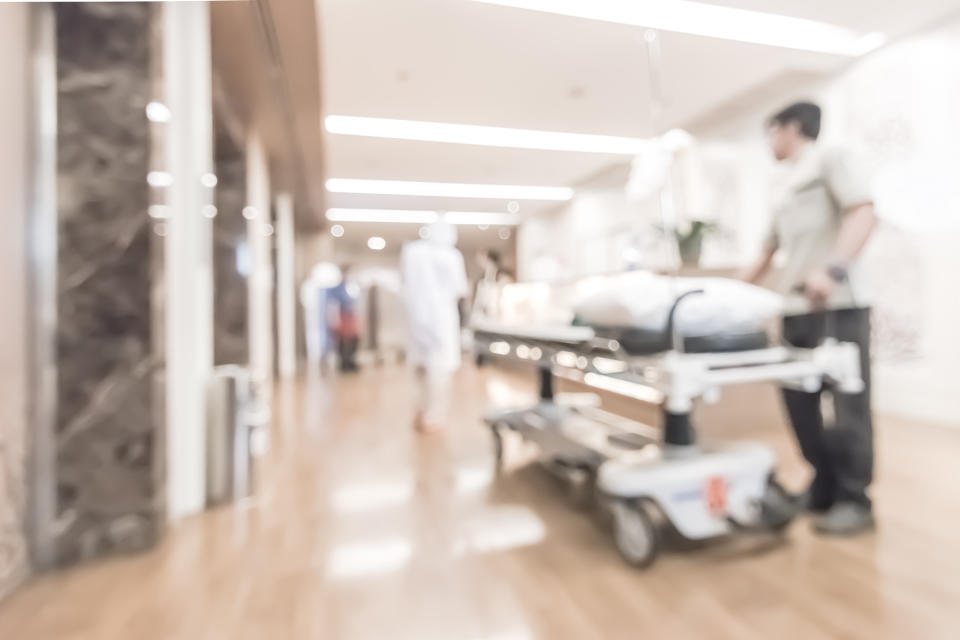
466, 62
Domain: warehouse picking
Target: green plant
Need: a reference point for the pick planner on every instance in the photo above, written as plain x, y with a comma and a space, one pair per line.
690, 240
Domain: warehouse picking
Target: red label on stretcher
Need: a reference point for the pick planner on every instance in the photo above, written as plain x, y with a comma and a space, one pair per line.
715, 495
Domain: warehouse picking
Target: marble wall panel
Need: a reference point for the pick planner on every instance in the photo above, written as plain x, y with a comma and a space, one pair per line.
231, 341
108, 496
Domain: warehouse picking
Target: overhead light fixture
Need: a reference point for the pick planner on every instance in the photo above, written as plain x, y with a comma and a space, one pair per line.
250, 213
714, 21
447, 189
481, 218
382, 215
376, 243
480, 135
209, 211
403, 216
337, 231
208, 180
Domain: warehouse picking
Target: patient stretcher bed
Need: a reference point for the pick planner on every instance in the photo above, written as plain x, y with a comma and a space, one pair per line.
704, 489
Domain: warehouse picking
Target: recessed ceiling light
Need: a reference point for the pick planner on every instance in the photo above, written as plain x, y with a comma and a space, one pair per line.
209, 211
447, 189
250, 213
158, 112
480, 135
337, 231
424, 233
376, 243
504, 234
513, 206
714, 21
208, 180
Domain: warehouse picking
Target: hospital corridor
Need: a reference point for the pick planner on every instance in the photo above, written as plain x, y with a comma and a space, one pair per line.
479, 320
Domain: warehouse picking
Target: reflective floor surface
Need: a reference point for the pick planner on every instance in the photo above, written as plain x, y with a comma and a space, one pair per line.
363, 530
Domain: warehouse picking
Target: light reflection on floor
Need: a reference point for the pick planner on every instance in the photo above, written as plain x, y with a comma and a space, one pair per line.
369, 558
371, 496
499, 528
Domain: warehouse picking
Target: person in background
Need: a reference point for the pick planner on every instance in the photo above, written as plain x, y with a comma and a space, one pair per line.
345, 321
486, 292
823, 215
434, 280
485, 289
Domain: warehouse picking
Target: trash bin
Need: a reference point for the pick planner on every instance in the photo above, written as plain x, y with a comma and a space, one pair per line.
236, 433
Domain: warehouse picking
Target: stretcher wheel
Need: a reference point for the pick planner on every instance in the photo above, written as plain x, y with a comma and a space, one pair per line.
582, 487
777, 509
635, 533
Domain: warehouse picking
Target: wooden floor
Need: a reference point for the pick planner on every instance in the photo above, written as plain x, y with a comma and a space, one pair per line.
362, 530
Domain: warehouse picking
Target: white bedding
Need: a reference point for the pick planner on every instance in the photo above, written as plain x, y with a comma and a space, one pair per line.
643, 300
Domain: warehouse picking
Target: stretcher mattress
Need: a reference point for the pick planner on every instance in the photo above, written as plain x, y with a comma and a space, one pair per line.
634, 341
646, 342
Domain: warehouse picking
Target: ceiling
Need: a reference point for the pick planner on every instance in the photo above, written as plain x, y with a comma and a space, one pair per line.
466, 62
267, 78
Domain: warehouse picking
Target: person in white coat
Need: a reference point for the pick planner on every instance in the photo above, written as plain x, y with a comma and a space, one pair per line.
434, 280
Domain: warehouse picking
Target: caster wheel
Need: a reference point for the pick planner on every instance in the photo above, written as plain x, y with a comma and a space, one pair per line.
635, 533
582, 487
777, 508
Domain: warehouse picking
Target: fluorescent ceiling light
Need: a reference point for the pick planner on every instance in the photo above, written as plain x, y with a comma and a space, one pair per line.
714, 21
480, 135
382, 215
475, 218
403, 216
447, 189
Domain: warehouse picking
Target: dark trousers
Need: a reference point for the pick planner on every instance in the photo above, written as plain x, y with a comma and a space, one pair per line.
348, 353
842, 453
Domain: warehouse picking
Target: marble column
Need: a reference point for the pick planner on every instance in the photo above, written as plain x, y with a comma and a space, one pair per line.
108, 441
230, 250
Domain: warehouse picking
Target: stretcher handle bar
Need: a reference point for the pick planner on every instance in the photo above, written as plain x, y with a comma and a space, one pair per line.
672, 336
763, 373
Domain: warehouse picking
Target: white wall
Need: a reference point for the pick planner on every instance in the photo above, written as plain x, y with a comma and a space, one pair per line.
896, 108
603, 230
